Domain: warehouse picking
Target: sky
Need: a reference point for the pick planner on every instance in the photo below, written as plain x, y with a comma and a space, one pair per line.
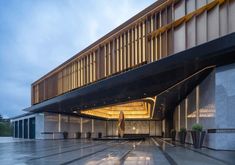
38, 35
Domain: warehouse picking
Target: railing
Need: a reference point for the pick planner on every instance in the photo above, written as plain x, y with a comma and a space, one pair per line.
221, 130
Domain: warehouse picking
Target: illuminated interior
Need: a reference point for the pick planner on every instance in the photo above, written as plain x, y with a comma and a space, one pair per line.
208, 111
140, 109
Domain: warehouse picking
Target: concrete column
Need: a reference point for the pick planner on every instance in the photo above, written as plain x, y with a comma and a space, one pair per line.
163, 126
179, 117
81, 125
106, 128
186, 112
197, 104
92, 126
59, 123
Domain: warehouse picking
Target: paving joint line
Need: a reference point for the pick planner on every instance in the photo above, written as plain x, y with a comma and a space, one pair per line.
167, 156
65, 151
85, 156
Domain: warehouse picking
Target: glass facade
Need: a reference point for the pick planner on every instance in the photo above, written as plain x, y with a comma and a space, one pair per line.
198, 106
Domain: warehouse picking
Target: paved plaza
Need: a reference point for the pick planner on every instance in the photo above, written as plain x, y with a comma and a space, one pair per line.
83, 151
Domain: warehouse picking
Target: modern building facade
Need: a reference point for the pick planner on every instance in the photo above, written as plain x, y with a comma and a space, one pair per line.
170, 66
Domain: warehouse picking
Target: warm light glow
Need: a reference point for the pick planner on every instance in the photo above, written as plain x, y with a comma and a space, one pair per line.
52, 118
208, 111
140, 109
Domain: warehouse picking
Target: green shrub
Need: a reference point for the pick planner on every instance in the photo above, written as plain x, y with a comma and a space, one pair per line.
183, 130
5, 129
197, 127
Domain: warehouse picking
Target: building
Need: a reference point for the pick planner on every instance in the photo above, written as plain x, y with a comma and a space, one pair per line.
169, 66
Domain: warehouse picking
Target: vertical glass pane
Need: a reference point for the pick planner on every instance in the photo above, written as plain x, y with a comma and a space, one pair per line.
191, 114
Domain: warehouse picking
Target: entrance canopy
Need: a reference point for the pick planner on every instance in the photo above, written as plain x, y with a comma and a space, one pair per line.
140, 109
167, 80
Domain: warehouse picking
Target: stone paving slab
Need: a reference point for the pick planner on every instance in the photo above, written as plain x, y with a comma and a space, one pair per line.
83, 151
184, 155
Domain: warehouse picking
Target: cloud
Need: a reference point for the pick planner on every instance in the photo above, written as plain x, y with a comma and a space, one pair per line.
37, 36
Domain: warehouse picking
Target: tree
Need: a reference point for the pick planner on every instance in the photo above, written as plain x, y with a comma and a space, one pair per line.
5, 129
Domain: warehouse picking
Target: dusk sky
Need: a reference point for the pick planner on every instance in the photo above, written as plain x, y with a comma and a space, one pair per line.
38, 35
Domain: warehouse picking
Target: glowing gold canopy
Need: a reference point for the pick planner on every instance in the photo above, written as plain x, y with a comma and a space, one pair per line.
140, 109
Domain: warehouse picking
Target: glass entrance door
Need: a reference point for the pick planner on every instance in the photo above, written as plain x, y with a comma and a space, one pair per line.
32, 128
20, 129
26, 136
